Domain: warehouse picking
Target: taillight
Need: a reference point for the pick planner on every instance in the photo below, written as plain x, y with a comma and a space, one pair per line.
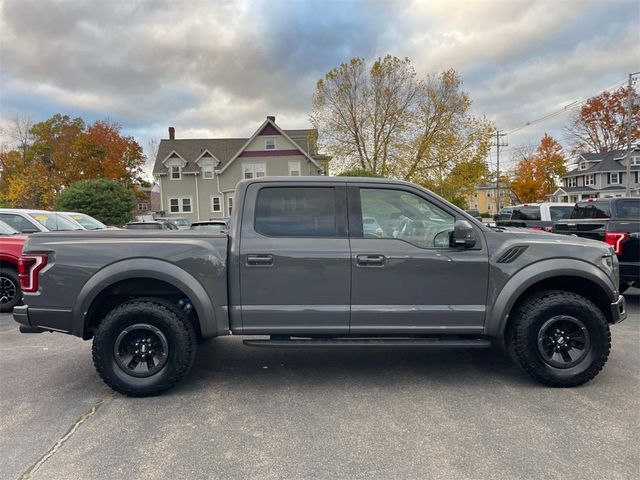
547, 229
28, 268
536, 228
615, 239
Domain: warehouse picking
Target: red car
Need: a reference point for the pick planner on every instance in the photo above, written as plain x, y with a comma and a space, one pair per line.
10, 249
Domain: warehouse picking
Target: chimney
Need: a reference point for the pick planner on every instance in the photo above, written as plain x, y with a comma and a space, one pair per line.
172, 133
272, 118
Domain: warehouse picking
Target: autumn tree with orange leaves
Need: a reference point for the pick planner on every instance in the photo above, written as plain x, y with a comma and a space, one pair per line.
538, 170
600, 125
62, 150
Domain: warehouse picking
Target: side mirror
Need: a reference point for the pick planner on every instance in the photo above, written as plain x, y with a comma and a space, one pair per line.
463, 235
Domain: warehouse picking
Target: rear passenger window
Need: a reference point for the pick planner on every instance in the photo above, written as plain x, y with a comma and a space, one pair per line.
526, 213
296, 212
629, 209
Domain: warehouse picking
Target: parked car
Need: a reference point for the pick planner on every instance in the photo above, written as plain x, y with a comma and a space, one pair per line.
32, 221
615, 221
86, 221
180, 222
503, 214
213, 226
156, 225
538, 216
310, 277
11, 243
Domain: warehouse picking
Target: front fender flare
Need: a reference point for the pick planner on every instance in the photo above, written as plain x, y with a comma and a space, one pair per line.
145, 268
498, 311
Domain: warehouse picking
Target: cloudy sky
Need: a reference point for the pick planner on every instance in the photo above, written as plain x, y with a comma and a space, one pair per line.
217, 68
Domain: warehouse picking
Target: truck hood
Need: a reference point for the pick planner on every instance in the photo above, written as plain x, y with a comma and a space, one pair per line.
540, 236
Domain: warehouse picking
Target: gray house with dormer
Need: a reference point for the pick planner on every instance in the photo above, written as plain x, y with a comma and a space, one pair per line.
599, 175
198, 177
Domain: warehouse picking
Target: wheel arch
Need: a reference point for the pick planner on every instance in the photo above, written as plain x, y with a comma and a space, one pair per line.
156, 273
571, 275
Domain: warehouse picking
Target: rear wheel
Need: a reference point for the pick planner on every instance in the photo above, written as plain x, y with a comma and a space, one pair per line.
143, 347
561, 339
10, 293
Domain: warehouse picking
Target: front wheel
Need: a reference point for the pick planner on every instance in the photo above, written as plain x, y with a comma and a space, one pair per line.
561, 339
143, 347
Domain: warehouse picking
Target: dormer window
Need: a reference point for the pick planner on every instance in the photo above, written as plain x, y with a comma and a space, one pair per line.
176, 172
584, 165
207, 171
270, 144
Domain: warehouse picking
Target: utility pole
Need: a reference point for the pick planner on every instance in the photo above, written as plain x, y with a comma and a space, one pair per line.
629, 127
498, 144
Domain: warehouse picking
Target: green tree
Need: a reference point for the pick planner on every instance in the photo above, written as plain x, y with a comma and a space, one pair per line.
107, 200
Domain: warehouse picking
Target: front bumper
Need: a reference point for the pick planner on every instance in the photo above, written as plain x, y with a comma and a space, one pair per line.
618, 310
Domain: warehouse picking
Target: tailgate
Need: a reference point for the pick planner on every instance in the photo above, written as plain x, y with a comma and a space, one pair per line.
591, 229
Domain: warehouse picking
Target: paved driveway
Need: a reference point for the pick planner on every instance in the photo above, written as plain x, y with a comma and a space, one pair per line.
259, 413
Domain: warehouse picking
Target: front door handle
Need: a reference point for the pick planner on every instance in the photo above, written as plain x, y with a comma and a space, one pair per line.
371, 260
260, 259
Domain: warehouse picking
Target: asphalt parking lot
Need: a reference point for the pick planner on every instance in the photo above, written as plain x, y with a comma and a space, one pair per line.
294, 414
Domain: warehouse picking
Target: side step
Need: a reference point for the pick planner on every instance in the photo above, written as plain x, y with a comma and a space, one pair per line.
372, 342
30, 329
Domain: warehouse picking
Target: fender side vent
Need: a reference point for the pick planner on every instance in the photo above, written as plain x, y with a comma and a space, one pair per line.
511, 254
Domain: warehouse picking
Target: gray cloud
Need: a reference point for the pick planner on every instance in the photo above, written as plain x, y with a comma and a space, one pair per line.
216, 68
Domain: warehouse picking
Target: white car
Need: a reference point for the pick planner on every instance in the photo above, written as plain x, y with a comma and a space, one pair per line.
86, 221
32, 221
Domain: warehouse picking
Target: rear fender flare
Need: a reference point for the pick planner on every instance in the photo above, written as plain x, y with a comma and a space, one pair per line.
145, 268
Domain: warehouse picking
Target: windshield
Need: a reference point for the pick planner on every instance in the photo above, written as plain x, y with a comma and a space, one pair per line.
591, 210
526, 213
53, 221
87, 222
561, 212
181, 222
6, 229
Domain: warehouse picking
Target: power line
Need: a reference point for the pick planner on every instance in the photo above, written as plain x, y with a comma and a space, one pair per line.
564, 109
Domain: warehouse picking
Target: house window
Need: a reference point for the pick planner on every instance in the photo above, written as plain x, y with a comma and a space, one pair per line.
207, 171
572, 182
143, 207
614, 179
294, 169
583, 165
635, 160
589, 180
180, 205
254, 170
270, 144
229, 205
176, 172
216, 204
489, 193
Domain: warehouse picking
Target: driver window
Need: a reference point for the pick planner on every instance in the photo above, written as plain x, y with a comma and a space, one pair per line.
404, 216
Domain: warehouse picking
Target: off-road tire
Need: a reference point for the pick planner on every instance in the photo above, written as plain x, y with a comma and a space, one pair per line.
8, 274
526, 322
160, 314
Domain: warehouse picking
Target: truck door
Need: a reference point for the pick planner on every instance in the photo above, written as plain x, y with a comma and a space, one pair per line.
406, 279
295, 263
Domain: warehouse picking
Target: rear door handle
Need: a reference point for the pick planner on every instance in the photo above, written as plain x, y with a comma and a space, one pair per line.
260, 260
371, 260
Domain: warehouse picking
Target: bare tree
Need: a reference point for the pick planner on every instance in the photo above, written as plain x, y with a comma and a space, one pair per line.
20, 133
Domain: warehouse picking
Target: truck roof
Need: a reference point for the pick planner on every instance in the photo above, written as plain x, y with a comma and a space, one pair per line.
321, 179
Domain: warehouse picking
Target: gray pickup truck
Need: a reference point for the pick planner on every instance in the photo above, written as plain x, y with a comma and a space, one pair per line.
299, 267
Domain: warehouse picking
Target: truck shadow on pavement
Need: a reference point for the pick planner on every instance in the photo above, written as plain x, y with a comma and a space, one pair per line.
227, 362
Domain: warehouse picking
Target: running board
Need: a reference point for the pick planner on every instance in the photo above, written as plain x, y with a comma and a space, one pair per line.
372, 342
